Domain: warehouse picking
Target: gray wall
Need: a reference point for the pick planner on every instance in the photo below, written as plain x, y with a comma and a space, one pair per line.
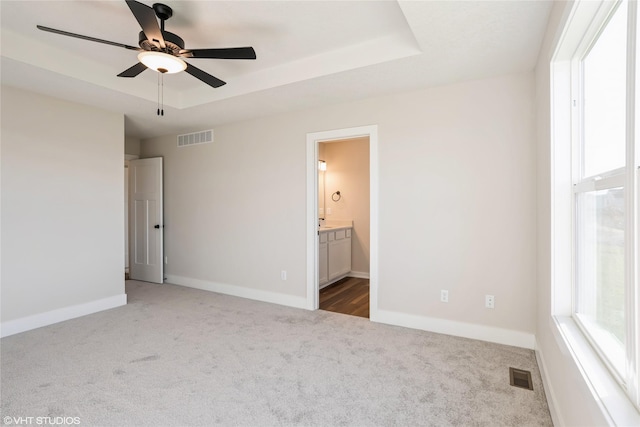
62, 205
456, 202
132, 145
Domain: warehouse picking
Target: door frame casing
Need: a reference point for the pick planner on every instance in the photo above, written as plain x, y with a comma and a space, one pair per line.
313, 139
127, 158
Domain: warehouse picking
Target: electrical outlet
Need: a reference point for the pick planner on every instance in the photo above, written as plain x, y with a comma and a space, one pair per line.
444, 296
283, 274
166, 260
489, 301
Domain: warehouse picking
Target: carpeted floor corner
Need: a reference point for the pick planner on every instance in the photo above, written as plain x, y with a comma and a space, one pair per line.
176, 356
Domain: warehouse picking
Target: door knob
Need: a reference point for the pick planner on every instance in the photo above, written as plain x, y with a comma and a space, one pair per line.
156, 226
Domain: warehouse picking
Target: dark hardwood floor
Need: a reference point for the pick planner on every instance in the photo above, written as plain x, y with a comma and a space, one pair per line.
347, 296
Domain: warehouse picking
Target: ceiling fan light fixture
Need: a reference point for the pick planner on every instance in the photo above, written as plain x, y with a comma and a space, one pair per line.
162, 62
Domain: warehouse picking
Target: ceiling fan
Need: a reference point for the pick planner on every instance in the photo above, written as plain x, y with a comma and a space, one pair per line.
161, 50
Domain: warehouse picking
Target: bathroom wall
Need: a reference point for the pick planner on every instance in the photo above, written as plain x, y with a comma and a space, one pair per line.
348, 172
321, 193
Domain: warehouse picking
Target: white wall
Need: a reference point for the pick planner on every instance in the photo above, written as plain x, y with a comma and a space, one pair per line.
62, 210
457, 204
571, 401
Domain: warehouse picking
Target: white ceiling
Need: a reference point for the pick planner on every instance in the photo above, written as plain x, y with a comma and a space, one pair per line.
309, 53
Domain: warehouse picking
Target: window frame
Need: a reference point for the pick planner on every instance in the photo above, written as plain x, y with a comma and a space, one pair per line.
585, 22
608, 180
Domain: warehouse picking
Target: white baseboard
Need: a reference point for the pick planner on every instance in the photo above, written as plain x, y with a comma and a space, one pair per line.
548, 389
28, 323
459, 329
356, 274
239, 291
359, 274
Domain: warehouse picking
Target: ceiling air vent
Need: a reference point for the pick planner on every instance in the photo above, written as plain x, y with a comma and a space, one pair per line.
203, 137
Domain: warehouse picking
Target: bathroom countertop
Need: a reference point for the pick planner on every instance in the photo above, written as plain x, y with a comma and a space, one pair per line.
334, 227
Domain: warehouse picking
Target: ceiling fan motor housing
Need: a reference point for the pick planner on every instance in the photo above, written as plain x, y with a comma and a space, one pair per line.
173, 42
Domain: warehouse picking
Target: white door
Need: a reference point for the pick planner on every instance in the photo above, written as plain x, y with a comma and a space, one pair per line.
145, 188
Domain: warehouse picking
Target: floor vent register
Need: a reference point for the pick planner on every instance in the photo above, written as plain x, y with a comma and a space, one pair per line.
520, 378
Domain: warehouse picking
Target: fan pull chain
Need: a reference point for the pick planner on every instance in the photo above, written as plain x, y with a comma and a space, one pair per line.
158, 112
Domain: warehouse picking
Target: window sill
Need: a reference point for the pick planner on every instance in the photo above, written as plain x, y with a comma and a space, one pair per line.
611, 397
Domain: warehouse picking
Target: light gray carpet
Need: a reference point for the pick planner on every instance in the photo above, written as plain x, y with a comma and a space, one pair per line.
179, 356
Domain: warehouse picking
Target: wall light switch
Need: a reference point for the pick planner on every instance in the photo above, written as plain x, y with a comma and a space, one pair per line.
283, 274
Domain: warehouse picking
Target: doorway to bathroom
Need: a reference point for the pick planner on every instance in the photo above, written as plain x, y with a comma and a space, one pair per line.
342, 189
349, 295
344, 226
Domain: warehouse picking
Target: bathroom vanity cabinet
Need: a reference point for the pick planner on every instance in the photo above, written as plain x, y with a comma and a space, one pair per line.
334, 254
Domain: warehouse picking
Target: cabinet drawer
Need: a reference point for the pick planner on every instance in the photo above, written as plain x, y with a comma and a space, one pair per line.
323, 237
341, 234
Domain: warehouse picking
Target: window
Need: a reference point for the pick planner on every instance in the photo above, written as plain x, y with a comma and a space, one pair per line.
600, 190
604, 98
600, 254
596, 154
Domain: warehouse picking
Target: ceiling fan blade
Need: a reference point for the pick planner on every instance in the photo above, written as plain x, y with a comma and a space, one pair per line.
204, 76
92, 39
225, 53
146, 17
133, 71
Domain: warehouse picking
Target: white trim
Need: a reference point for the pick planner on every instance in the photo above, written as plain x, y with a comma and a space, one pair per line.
600, 183
587, 22
373, 220
550, 394
578, 41
238, 291
332, 281
313, 138
355, 274
611, 399
313, 283
632, 355
35, 321
458, 329
359, 274
561, 188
